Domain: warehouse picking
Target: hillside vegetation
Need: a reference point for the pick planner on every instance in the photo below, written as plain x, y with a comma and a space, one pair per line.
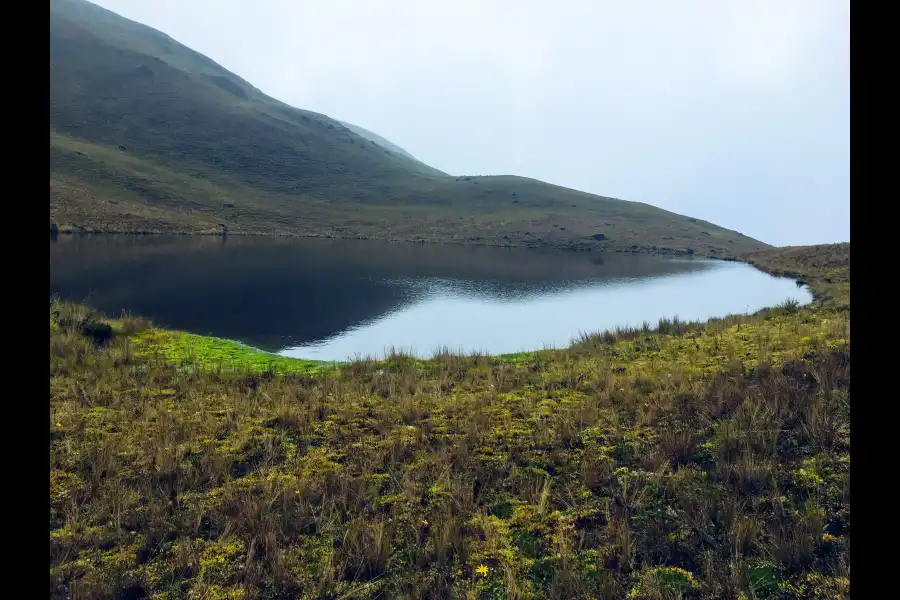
677, 461
828, 264
374, 137
149, 135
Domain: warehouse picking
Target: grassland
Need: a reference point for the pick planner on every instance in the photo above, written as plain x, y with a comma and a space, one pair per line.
703, 460
147, 135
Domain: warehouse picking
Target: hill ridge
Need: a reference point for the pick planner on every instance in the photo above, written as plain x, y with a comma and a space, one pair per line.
147, 134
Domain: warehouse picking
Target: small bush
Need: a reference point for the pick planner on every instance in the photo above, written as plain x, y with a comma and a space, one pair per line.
663, 583
789, 306
100, 333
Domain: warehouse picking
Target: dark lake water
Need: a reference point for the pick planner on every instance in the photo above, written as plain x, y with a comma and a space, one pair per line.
336, 299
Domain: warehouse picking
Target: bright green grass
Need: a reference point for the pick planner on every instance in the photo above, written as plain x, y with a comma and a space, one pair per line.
210, 353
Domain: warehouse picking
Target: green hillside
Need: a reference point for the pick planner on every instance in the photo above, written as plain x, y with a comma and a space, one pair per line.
387, 144
149, 135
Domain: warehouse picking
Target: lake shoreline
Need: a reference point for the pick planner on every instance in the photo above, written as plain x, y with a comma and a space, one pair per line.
326, 299
585, 245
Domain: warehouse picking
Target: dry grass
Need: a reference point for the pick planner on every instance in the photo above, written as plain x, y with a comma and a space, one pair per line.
685, 461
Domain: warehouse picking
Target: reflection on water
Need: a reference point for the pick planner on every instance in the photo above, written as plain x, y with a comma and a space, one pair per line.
333, 299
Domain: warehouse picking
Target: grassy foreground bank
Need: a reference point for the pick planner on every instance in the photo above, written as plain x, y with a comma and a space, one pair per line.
688, 461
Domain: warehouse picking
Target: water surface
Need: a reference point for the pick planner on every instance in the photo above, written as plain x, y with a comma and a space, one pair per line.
336, 299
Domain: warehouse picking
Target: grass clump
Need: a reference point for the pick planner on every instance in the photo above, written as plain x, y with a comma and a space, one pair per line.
702, 461
660, 583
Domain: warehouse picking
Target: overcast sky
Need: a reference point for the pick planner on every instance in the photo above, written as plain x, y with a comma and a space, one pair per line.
737, 112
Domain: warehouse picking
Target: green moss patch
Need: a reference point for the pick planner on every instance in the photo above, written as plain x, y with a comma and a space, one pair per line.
210, 353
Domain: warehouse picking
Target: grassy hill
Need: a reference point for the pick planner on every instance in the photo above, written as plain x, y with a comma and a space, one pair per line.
149, 135
686, 461
374, 137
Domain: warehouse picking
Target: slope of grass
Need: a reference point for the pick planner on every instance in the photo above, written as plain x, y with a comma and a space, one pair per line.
374, 137
148, 135
682, 461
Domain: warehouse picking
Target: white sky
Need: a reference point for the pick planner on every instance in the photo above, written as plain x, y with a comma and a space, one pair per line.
734, 111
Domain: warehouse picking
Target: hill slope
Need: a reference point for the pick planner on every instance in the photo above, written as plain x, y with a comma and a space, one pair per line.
386, 144
147, 134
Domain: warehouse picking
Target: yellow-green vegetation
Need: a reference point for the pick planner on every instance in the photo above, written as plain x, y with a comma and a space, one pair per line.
685, 461
202, 352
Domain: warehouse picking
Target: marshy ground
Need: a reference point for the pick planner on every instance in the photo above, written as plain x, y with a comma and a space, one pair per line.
675, 461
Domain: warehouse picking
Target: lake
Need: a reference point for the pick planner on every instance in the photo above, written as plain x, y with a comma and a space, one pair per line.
338, 299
